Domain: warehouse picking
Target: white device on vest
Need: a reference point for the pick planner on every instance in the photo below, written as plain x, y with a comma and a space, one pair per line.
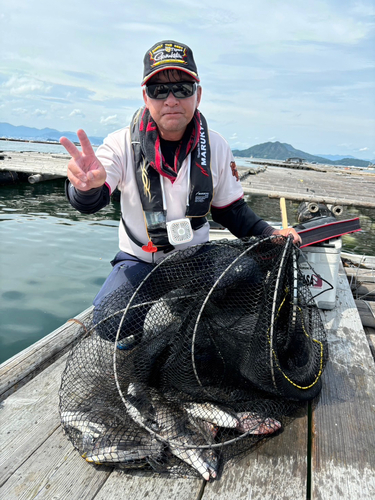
179, 231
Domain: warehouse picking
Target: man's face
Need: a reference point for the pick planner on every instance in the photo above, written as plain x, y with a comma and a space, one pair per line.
172, 115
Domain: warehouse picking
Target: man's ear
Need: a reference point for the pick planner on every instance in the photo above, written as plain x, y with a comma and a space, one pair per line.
145, 97
199, 95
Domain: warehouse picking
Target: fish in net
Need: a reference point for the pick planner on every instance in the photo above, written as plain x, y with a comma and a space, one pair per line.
196, 361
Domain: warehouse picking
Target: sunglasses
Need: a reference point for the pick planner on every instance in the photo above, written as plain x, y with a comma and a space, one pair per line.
180, 90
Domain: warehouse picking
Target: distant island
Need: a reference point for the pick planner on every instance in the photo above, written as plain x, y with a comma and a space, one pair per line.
268, 150
8, 131
282, 151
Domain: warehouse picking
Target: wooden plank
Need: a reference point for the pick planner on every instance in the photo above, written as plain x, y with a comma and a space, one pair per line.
306, 185
343, 440
362, 275
370, 334
366, 310
276, 470
28, 417
365, 291
22, 367
367, 261
32, 162
123, 486
55, 471
362, 281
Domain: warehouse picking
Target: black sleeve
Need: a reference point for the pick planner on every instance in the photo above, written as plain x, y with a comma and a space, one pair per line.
87, 202
241, 220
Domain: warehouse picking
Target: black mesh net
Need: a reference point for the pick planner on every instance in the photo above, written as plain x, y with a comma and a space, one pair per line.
195, 362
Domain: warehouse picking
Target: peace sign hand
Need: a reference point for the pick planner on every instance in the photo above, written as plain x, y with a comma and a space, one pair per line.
84, 169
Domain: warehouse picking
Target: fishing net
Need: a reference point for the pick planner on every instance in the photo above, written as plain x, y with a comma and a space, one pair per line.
196, 361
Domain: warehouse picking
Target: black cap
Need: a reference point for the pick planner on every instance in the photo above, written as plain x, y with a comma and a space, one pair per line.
169, 55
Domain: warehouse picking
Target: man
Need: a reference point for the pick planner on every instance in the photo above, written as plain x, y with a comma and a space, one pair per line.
170, 168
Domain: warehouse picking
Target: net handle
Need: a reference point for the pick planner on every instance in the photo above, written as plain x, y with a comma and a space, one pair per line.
273, 313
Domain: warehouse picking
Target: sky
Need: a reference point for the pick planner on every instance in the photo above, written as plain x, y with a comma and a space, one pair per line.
300, 72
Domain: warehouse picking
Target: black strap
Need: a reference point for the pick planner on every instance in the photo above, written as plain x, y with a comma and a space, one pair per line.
163, 248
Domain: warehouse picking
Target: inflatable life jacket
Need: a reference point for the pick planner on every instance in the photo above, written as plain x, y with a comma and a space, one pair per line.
200, 191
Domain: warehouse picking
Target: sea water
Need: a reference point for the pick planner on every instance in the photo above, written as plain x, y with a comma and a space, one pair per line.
53, 260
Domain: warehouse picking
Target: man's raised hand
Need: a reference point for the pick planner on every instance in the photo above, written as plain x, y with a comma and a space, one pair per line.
84, 169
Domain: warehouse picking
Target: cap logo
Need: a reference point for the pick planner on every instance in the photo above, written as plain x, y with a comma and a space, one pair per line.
167, 53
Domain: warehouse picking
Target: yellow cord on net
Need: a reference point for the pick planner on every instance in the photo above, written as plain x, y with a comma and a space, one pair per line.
307, 335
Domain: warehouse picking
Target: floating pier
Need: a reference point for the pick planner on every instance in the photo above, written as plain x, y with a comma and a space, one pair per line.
275, 179
31, 166
311, 183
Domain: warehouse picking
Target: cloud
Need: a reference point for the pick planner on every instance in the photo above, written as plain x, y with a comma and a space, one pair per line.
20, 111
109, 120
364, 149
25, 85
82, 76
299, 71
39, 112
137, 27
77, 112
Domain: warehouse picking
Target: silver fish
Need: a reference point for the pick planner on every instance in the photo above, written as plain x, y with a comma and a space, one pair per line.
169, 423
79, 421
130, 452
164, 313
212, 413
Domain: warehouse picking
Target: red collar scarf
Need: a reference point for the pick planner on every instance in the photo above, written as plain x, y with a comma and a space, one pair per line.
150, 145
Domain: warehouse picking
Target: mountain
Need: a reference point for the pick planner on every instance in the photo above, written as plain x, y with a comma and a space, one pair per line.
283, 151
269, 150
334, 157
46, 134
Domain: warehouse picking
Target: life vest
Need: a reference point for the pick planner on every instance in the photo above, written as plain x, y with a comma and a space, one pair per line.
199, 196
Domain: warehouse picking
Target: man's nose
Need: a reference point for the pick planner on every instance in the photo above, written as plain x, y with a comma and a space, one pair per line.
171, 100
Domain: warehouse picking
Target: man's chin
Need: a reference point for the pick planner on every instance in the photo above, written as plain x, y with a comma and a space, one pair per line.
173, 126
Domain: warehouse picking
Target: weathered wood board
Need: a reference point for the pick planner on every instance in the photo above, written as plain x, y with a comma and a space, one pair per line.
276, 470
362, 282
306, 185
370, 334
33, 163
343, 441
366, 311
122, 486
55, 471
363, 261
28, 417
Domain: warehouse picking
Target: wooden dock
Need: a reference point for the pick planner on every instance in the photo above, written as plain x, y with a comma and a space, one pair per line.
331, 185
327, 453
32, 166
314, 183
